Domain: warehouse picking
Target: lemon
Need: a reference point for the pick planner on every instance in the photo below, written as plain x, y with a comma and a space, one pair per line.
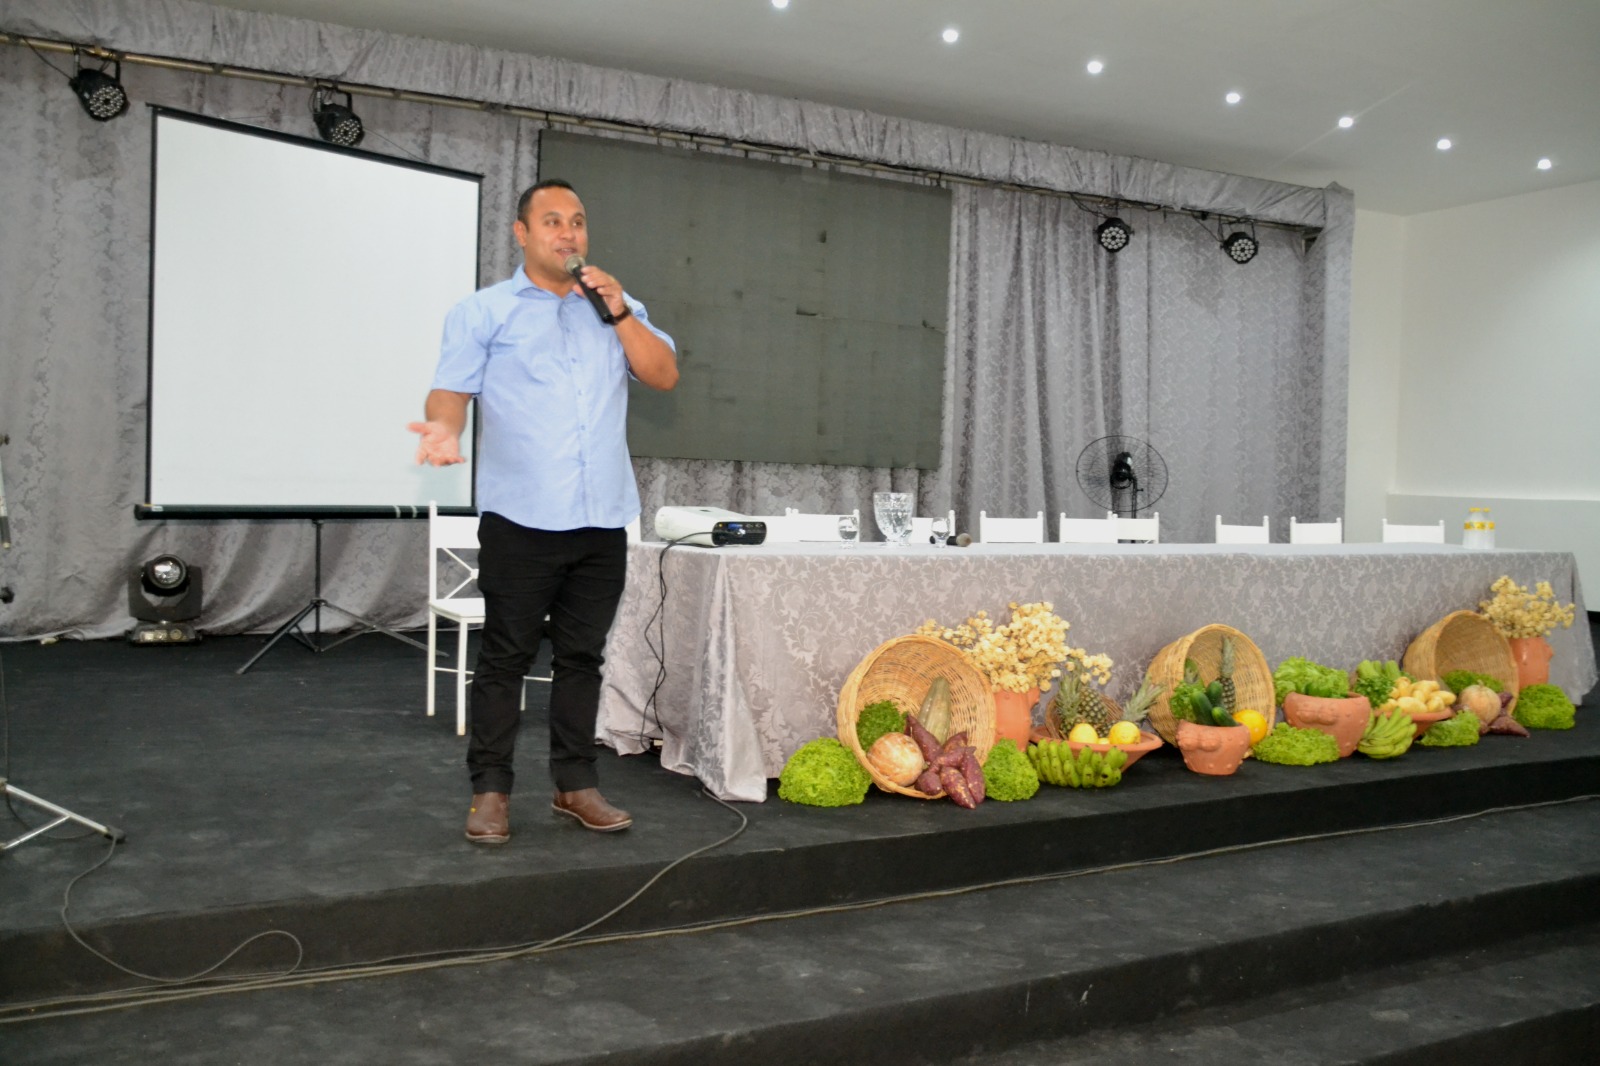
1253, 721
1125, 733
1083, 733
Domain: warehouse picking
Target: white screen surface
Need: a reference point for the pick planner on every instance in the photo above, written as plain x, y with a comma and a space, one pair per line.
297, 300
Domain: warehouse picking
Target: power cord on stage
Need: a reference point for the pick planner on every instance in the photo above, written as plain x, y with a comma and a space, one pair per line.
399, 964
653, 701
109, 1001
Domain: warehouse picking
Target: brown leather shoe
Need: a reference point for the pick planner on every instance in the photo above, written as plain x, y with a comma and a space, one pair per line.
489, 821
591, 809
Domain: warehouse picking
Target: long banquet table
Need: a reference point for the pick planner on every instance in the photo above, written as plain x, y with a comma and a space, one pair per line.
757, 641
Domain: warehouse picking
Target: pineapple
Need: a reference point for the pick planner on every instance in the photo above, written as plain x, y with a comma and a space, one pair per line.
1078, 701
1139, 704
1230, 695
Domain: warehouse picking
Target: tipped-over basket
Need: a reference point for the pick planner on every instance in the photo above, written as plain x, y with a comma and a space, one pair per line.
901, 670
1463, 640
1252, 677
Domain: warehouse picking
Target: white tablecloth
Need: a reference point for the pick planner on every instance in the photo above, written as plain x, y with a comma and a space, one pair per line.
758, 640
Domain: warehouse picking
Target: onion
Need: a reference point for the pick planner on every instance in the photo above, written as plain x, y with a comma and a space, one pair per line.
1482, 701
897, 758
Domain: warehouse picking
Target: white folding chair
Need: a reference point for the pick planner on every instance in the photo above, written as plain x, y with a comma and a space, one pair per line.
634, 531
1086, 530
1316, 532
1227, 534
922, 528
1010, 530
453, 536
1394, 533
1145, 530
799, 526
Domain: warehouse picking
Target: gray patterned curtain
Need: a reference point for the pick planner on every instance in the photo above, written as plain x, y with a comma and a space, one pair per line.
1236, 373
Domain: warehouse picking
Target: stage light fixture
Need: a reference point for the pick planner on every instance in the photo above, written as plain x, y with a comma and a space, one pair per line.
165, 596
101, 94
1241, 246
336, 123
1113, 234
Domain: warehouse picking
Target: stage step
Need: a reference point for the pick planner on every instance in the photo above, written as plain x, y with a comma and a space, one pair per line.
975, 973
1532, 1002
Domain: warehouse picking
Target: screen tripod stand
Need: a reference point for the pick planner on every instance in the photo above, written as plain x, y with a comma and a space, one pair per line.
315, 641
62, 817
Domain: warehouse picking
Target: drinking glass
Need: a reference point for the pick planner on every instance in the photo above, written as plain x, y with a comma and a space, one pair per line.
849, 529
893, 512
940, 528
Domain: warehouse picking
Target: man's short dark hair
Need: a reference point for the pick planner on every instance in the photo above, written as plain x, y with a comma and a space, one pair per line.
527, 196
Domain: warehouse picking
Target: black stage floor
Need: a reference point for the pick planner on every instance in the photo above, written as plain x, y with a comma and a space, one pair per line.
313, 795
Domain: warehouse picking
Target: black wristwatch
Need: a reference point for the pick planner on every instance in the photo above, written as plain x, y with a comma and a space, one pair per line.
626, 312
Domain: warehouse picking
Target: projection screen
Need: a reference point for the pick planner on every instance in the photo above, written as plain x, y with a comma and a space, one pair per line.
297, 296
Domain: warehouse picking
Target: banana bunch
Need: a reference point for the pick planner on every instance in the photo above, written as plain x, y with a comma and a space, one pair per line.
1387, 735
1058, 764
1417, 697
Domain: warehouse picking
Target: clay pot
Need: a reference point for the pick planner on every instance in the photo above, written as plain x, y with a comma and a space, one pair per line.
1213, 749
1013, 715
1533, 656
1430, 719
1148, 742
1343, 719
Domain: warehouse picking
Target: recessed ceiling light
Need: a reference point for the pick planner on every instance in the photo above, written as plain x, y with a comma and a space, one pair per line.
780, 4
1545, 164
1095, 66
951, 35
1444, 144
1233, 98
1345, 122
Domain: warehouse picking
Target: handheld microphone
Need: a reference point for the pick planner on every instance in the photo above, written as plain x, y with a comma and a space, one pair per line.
960, 540
5, 520
575, 265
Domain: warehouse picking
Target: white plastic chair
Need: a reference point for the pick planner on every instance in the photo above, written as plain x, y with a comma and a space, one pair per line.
799, 526
1394, 533
1145, 530
922, 528
1086, 530
1316, 532
453, 536
1227, 534
1010, 530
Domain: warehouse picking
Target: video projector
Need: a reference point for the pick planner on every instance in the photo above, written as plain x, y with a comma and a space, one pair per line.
709, 527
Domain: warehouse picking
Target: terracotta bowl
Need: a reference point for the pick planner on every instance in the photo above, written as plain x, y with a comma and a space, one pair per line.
1148, 742
1342, 719
1432, 718
1213, 749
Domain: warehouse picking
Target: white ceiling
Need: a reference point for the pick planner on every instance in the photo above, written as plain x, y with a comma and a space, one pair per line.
1507, 80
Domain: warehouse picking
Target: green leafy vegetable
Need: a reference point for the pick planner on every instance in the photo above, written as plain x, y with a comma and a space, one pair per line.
1182, 702
1544, 707
876, 719
1310, 679
823, 773
1289, 746
1375, 680
1009, 775
1459, 731
1458, 681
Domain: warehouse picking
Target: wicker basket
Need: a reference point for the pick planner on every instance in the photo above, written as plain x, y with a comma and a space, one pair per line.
1252, 677
1463, 640
901, 670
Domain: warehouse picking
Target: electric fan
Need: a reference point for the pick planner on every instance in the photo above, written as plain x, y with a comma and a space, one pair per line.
1124, 475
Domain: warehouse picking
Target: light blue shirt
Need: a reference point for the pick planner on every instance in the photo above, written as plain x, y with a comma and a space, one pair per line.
552, 388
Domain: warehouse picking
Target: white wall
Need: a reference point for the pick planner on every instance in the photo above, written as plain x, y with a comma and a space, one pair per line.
1377, 285
1498, 364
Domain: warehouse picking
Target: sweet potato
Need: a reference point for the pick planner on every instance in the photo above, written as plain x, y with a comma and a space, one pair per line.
973, 774
929, 784
1505, 725
925, 740
955, 786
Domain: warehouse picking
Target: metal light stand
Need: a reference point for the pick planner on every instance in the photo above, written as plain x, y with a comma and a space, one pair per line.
62, 817
7, 789
315, 643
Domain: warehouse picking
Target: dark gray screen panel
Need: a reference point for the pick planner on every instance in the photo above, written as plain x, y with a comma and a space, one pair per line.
808, 306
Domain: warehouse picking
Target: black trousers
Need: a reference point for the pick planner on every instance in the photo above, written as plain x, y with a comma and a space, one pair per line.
575, 578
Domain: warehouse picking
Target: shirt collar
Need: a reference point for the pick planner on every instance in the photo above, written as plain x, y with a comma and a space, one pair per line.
521, 283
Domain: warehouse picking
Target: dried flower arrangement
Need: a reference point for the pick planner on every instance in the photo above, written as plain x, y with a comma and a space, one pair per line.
1516, 612
1028, 652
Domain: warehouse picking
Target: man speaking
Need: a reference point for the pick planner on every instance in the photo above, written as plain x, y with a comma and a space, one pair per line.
550, 369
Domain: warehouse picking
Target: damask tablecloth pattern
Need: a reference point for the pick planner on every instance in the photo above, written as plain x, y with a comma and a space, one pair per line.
756, 642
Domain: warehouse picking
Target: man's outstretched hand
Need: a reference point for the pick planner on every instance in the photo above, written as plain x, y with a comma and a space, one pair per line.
437, 446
